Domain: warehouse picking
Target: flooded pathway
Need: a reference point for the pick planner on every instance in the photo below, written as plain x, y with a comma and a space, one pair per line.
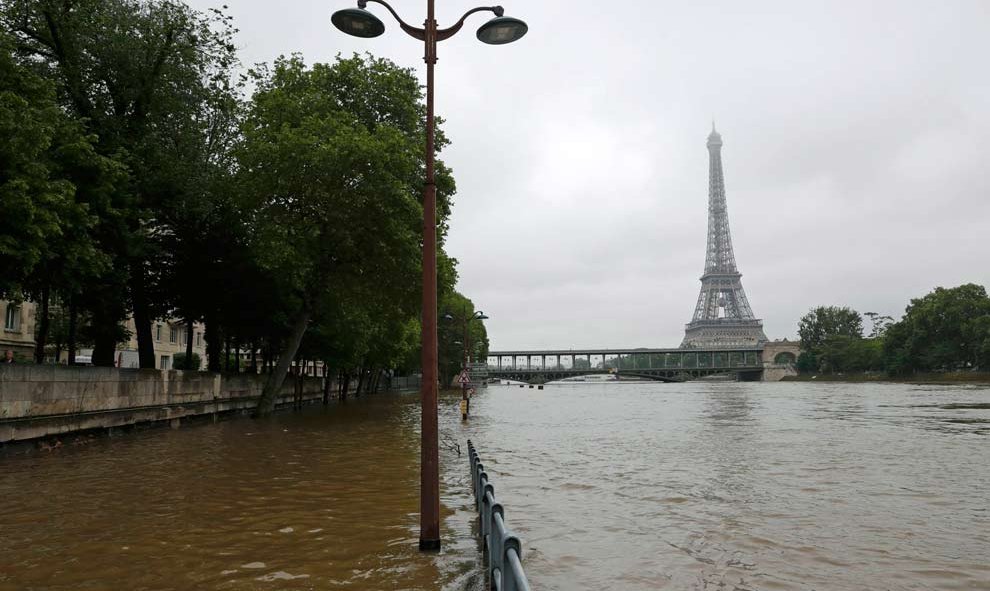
610, 486
321, 499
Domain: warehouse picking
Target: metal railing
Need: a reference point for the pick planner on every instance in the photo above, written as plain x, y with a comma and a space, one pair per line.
504, 550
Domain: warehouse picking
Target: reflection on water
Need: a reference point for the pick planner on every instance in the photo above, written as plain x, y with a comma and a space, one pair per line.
744, 485
610, 486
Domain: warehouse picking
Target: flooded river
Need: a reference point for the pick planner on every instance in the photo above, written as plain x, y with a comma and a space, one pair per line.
610, 486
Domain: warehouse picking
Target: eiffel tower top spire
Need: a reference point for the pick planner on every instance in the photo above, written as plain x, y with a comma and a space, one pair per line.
719, 258
714, 135
722, 317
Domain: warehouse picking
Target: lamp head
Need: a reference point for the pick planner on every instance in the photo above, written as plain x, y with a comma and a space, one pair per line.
501, 30
358, 22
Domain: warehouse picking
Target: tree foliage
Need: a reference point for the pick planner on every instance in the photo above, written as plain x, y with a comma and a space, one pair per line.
149, 82
824, 322
944, 330
137, 180
948, 329
330, 168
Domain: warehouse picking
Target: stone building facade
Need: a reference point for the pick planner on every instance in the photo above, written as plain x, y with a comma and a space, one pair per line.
17, 334
169, 337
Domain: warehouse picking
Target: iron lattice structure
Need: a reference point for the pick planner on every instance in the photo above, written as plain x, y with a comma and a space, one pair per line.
722, 317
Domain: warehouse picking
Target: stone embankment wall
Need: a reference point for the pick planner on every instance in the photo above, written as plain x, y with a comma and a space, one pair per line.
45, 400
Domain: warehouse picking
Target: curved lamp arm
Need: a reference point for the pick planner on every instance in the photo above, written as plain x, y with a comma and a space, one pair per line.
449, 31
442, 34
416, 32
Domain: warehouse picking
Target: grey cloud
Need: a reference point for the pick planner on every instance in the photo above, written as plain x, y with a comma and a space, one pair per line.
855, 138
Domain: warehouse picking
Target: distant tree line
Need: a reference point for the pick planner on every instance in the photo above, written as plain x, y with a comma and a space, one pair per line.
138, 180
946, 330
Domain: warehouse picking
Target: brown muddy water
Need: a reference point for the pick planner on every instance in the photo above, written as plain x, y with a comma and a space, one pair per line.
610, 486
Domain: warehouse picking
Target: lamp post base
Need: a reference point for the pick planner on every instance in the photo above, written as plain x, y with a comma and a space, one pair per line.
429, 545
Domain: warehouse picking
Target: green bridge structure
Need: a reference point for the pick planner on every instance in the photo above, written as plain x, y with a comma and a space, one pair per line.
666, 365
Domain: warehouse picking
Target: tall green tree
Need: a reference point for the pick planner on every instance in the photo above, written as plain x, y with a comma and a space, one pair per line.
331, 167
53, 189
824, 322
141, 76
947, 329
32, 199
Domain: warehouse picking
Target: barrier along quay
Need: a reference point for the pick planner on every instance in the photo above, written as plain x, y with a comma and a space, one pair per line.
499, 544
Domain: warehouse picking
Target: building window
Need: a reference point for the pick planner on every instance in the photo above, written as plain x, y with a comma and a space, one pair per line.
199, 339
158, 332
173, 335
12, 319
166, 362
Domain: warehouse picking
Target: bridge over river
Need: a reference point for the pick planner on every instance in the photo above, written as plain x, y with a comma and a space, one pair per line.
669, 365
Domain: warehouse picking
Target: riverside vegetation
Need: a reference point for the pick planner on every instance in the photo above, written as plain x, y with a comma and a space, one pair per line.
947, 330
138, 179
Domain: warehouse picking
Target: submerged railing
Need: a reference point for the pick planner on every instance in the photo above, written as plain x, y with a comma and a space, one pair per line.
503, 548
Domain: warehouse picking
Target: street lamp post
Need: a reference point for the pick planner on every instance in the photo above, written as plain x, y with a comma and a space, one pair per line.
497, 31
465, 324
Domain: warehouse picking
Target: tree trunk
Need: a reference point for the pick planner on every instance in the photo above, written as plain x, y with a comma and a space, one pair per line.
73, 318
360, 384
274, 383
104, 323
189, 345
254, 357
298, 391
104, 347
42, 337
142, 318
345, 385
213, 345
326, 384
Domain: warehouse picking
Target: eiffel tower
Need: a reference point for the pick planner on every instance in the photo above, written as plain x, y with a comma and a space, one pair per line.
722, 317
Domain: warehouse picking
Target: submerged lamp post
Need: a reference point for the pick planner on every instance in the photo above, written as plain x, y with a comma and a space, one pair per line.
465, 323
497, 31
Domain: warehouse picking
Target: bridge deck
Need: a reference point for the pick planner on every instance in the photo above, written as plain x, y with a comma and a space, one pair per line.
599, 351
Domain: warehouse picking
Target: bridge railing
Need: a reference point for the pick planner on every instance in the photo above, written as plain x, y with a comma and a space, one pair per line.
503, 548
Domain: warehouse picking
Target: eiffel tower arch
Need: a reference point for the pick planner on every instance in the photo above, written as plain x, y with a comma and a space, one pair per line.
722, 317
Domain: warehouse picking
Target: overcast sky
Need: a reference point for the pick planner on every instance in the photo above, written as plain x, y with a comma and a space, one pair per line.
855, 153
